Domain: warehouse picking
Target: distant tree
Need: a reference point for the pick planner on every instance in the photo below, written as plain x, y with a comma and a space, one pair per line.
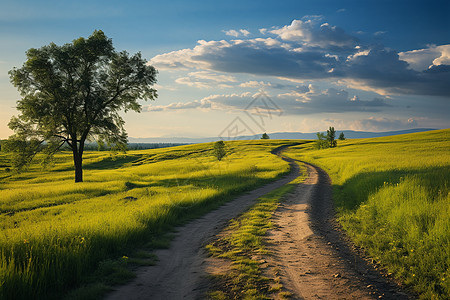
101, 145
321, 142
219, 150
72, 94
341, 137
331, 134
265, 136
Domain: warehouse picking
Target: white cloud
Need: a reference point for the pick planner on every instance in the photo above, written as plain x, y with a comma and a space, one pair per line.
422, 59
254, 84
185, 58
244, 32
205, 75
189, 82
269, 42
444, 59
202, 104
332, 55
229, 101
293, 32
236, 33
231, 32
206, 79
263, 30
359, 53
308, 33
263, 84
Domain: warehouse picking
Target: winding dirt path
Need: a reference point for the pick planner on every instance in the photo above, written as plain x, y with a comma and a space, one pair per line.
313, 257
179, 273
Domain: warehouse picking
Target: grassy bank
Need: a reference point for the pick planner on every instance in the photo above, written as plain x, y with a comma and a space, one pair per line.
392, 197
55, 232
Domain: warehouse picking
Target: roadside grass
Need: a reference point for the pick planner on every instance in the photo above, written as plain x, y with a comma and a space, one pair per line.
57, 235
393, 199
242, 243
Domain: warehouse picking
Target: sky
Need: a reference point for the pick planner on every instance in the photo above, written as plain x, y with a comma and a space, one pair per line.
230, 68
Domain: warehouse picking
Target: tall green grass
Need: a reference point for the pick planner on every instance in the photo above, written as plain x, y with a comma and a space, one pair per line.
392, 196
54, 233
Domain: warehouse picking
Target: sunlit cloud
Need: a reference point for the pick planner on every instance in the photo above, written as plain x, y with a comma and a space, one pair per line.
307, 32
206, 79
423, 59
237, 33
177, 106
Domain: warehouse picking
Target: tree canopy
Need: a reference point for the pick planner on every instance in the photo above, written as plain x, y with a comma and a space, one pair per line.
265, 136
74, 93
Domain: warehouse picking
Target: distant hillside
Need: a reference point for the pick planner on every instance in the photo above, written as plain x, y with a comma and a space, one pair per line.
350, 134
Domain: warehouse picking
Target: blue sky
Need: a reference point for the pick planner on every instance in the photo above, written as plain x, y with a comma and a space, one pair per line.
268, 65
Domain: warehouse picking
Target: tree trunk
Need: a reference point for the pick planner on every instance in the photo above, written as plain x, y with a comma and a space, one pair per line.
78, 163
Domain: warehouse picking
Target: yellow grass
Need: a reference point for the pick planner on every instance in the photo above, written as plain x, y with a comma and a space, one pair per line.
55, 231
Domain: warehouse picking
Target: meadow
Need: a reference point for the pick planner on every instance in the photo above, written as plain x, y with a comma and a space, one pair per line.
392, 197
56, 233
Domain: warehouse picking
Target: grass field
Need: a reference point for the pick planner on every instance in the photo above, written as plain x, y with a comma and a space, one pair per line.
392, 196
55, 232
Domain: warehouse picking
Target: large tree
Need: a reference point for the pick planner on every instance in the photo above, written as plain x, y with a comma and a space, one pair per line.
72, 94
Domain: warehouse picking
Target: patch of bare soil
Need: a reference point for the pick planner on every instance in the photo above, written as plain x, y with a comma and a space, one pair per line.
311, 253
180, 272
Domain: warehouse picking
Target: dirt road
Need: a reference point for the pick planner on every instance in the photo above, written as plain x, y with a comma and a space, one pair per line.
314, 259
179, 273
